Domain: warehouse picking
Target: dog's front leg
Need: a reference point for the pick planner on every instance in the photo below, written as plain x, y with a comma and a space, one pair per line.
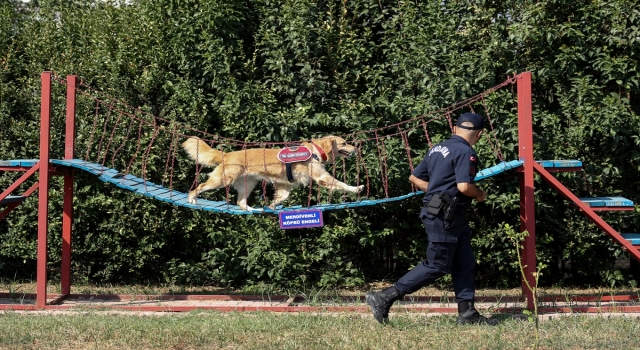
330, 182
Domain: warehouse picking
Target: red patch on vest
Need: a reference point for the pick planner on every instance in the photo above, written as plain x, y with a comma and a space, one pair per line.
294, 154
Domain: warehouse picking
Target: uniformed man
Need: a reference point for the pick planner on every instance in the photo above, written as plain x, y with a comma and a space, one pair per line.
446, 175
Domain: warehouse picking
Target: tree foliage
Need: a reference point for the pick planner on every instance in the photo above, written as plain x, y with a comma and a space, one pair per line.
281, 70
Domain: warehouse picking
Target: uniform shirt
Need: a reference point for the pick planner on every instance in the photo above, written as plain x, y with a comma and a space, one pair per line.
447, 164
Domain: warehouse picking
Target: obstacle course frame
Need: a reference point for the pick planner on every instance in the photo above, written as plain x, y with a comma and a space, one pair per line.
46, 168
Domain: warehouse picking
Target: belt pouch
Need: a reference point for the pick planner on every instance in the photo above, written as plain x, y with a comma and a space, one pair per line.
435, 204
450, 209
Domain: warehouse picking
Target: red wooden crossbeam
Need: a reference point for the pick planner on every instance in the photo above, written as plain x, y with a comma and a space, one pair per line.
350, 308
14, 168
586, 210
612, 208
564, 170
19, 182
287, 304
12, 206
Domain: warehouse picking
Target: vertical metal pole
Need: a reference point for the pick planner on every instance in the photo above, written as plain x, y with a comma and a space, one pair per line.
67, 207
43, 191
527, 199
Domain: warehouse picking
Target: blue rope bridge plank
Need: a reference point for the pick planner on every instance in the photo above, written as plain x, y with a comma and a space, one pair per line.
146, 187
207, 205
323, 207
127, 184
497, 169
633, 238
151, 190
93, 168
108, 174
171, 196
345, 205
19, 162
560, 163
501, 168
271, 211
607, 202
154, 192
12, 199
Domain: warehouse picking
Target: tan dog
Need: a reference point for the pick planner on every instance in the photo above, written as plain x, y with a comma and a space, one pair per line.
245, 169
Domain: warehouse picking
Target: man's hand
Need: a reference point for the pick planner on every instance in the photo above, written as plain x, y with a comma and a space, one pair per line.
482, 196
470, 190
419, 183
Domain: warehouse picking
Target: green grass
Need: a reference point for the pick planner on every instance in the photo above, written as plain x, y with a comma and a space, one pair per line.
214, 330
108, 329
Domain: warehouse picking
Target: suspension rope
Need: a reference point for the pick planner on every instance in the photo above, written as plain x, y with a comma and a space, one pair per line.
496, 149
145, 157
135, 154
448, 116
357, 144
170, 155
104, 132
364, 166
124, 141
383, 169
198, 166
405, 141
113, 131
264, 181
455, 106
426, 133
245, 178
93, 130
158, 140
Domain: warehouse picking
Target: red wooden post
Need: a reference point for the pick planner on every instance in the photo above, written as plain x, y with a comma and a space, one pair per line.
527, 199
67, 207
43, 191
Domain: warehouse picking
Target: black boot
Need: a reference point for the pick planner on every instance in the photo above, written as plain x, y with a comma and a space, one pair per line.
381, 302
467, 314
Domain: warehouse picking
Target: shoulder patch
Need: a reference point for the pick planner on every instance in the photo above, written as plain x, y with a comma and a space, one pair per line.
473, 168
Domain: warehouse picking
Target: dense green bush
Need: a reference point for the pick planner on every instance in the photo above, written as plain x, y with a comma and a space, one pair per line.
294, 69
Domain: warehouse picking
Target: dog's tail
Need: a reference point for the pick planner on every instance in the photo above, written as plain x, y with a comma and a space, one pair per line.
199, 151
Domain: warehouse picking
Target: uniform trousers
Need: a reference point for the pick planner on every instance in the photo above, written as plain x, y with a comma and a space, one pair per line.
448, 251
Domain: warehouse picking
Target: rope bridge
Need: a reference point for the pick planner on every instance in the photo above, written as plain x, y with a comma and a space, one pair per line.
140, 152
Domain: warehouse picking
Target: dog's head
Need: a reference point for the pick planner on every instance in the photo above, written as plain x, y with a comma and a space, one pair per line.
335, 146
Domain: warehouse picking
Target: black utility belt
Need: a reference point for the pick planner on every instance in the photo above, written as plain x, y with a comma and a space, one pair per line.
442, 202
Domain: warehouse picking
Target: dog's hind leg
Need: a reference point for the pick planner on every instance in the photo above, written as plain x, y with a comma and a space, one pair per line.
281, 194
214, 181
244, 185
211, 184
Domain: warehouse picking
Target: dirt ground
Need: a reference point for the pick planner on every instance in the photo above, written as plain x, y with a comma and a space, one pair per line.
428, 301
